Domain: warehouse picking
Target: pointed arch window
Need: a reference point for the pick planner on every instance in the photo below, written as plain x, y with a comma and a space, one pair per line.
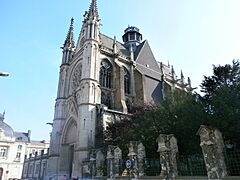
126, 81
106, 72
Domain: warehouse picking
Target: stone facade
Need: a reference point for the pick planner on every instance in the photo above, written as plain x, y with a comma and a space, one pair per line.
13, 147
35, 167
99, 80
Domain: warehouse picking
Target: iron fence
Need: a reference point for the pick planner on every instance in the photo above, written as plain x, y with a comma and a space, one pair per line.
152, 167
191, 165
232, 160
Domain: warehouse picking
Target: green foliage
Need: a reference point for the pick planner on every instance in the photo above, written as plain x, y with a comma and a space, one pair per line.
185, 113
180, 114
222, 100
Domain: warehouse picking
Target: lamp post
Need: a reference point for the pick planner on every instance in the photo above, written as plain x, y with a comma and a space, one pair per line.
4, 74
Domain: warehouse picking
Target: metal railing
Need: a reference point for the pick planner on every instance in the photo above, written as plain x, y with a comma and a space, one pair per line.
232, 160
191, 165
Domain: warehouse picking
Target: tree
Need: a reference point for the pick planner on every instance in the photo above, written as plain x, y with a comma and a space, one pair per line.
180, 114
222, 100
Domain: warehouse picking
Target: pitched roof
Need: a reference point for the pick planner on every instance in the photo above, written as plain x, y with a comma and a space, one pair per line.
21, 136
108, 42
139, 48
146, 62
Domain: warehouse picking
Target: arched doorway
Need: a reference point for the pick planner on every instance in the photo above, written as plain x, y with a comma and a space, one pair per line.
1, 173
69, 140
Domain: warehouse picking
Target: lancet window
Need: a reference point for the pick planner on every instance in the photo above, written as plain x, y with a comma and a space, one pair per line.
126, 81
106, 72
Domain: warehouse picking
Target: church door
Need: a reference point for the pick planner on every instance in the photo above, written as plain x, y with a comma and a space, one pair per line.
1, 173
71, 157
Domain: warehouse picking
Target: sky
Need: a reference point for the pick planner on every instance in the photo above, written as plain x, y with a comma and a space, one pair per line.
191, 35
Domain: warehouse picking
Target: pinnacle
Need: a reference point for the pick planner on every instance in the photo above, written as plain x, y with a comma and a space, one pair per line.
72, 21
182, 76
93, 11
69, 42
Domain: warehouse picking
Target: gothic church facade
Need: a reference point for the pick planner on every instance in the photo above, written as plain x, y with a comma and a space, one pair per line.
99, 79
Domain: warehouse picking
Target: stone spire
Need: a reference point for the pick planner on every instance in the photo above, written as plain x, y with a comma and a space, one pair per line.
68, 46
69, 42
2, 116
90, 27
189, 84
114, 45
173, 72
182, 77
93, 11
190, 88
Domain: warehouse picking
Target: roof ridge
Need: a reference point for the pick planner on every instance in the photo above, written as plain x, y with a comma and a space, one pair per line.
141, 48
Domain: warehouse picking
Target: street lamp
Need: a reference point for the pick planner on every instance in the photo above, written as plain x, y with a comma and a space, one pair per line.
4, 74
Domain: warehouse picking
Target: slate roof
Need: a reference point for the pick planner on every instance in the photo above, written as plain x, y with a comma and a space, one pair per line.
108, 42
7, 130
40, 143
21, 136
139, 48
146, 62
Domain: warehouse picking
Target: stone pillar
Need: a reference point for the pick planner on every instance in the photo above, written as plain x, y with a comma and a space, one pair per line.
141, 155
110, 161
132, 149
99, 163
86, 171
168, 149
117, 161
93, 163
212, 147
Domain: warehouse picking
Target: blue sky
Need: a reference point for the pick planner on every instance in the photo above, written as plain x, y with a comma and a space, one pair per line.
190, 34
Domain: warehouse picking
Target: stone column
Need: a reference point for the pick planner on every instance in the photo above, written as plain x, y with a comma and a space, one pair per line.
117, 161
93, 163
86, 171
110, 161
132, 149
212, 147
141, 155
168, 149
99, 163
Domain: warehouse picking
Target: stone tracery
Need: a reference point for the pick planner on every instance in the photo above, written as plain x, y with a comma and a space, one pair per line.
76, 77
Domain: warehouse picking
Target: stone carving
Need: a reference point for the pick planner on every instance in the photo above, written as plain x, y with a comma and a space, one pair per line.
141, 155
117, 161
114, 160
76, 77
110, 161
99, 163
168, 149
132, 149
132, 154
137, 155
212, 147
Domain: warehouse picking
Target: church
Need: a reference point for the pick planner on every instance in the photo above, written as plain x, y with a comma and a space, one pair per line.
100, 78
